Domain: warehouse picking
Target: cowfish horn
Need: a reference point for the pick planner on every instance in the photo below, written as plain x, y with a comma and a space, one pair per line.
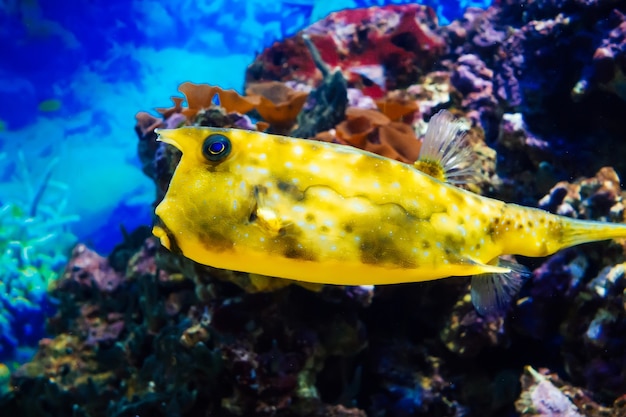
170, 136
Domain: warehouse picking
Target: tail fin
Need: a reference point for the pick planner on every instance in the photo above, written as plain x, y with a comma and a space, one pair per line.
576, 231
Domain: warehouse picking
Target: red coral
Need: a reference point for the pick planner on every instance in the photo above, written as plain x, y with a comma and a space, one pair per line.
378, 49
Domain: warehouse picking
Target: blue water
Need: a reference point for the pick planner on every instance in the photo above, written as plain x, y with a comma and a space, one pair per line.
72, 76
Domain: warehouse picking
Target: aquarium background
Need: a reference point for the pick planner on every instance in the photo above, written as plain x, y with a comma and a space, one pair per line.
118, 336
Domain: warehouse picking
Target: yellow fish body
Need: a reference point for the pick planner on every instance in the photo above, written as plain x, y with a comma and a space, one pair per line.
332, 214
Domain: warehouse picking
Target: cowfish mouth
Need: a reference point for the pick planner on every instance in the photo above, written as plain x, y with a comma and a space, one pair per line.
168, 136
160, 233
165, 235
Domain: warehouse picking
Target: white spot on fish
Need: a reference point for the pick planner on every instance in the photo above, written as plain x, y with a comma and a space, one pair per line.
298, 209
358, 207
347, 178
262, 157
395, 184
297, 149
234, 204
333, 247
376, 184
262, 239
314, 169
328, 223
288, 164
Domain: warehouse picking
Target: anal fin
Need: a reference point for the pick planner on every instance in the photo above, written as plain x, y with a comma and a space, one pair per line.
493, 292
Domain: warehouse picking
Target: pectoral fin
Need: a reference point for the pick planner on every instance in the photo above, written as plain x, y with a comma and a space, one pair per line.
267, 216
493, 292
478, 267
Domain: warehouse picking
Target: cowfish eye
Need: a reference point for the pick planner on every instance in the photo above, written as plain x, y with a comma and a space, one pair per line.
216, 147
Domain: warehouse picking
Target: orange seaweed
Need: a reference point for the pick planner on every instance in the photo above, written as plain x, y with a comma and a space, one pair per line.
373, 131
376, 117
200, 97
262, 126
402, 139
355, 130
384, 149
279, 105
397, 108
325, 136
232, 101
168, 111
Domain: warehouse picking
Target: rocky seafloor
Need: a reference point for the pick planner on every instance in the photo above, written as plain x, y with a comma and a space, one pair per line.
144, 332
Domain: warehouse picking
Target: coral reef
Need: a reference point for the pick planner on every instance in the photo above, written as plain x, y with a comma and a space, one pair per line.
148, 332
545, 394
34, 239
377, 49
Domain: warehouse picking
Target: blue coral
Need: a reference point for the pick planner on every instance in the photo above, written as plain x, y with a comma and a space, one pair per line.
34, 241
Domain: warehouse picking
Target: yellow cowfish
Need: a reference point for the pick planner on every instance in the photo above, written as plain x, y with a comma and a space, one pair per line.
333, 214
